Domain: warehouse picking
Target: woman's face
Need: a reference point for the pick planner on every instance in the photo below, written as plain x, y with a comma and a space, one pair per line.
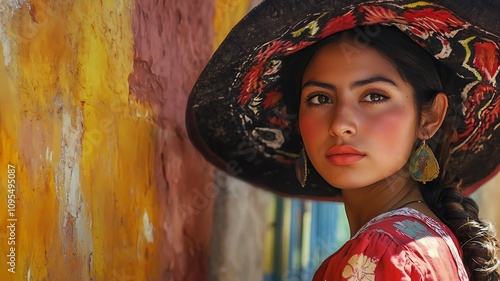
357, 115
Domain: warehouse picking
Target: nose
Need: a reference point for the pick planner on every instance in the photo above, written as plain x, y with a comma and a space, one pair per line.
343, 121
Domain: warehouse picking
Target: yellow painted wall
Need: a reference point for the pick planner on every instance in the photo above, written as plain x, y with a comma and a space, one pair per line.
227, 14
82, 151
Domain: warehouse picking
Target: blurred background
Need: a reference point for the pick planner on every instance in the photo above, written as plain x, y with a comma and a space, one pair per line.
107, 185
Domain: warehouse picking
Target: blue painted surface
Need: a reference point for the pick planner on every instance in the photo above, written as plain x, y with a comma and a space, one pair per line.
328, 232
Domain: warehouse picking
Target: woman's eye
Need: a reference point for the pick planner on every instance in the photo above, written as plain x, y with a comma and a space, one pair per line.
318, 99
375, 98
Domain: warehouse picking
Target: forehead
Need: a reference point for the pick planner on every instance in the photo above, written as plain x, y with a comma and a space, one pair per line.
347, 56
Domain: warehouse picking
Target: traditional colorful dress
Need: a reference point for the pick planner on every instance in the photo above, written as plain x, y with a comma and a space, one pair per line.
403, 244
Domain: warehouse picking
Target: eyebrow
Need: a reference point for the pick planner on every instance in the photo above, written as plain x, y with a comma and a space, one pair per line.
356, 84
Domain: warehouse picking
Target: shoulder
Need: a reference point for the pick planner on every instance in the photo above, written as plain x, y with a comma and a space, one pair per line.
397, 246
377, 252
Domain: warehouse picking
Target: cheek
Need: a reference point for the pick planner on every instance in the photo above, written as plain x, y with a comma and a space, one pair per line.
395, 127
310, 126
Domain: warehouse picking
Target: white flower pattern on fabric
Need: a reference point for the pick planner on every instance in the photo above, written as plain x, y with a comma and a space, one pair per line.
431, 244
360, 268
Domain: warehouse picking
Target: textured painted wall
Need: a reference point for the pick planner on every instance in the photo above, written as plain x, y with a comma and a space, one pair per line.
239, 220
487, 199
106, 184
173, 41
239, 225
83, 168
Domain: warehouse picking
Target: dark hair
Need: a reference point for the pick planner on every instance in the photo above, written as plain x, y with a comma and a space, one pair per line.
428, 77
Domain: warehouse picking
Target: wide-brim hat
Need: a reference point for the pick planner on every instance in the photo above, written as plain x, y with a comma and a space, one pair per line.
238, 119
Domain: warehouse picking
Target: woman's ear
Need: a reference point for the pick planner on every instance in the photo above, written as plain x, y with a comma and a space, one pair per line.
433, 117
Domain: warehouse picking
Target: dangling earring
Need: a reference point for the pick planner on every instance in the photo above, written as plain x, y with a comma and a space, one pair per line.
424, 166
301, 167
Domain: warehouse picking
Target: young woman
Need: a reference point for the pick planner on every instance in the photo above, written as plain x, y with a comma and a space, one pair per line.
360, 116
395, 121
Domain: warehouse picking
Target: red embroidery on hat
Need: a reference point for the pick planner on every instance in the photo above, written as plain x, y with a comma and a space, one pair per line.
299, 46
253, 83
271, 49
272, 98
428, 20
377, 14
250, 82
486, 60
278, 122
479, 119
337, 24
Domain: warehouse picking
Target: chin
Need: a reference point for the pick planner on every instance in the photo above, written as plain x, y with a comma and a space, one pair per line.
346, 185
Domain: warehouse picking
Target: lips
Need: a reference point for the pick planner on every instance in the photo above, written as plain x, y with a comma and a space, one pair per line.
343, 155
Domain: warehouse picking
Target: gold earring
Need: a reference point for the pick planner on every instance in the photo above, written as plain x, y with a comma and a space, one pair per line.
424, 166
301, 170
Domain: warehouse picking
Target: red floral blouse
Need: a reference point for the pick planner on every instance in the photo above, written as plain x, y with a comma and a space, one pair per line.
399, 245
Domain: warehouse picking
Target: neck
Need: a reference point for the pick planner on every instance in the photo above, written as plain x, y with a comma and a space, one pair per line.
363, 204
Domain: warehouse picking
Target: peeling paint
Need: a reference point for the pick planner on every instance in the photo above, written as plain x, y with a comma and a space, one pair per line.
72, 211
88, 142
48, 154
70, 160
13, 4
7, 9
4, 39
148, 227
63, 72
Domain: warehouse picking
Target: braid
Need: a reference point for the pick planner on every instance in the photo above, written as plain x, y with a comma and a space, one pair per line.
460, 214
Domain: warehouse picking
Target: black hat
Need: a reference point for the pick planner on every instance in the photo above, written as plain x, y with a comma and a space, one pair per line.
238, 118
